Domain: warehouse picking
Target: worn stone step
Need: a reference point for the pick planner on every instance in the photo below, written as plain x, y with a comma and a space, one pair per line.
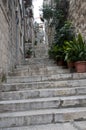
42, 103
38, 71
37, 60
57, 77
38, 66
47, 116
42, 93
81, 125
27, 66
46, 61
42, 85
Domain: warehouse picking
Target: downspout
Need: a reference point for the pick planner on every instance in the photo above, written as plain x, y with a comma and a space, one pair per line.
17, 21
24, 29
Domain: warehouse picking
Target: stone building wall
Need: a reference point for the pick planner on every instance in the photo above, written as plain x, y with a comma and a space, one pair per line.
5, 55
77, 14
29, 29
49, 30
9, 38
20, 32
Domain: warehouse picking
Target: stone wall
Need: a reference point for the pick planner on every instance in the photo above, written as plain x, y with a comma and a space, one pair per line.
4, 39
9, 38
77, 14
29, 30
49, 30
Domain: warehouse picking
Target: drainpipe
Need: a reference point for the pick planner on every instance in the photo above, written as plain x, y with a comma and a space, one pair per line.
17, 22
23, 7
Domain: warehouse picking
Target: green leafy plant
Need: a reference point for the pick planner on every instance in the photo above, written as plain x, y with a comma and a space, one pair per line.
47, 12
57, 52
60, 53
65, 33
80, 48
59, 17
75, 50
69, 51
53, 51
61, 48
28, 53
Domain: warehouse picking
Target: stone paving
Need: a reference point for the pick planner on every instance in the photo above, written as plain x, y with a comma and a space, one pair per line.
59, 126
40, 95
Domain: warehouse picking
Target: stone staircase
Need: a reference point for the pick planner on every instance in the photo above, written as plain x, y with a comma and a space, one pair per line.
42, 96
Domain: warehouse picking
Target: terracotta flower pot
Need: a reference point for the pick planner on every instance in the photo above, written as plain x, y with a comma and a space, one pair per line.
80, 66
60, 63
70, 64
27, 56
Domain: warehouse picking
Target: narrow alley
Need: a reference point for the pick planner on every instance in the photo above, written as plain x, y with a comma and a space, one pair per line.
36, 92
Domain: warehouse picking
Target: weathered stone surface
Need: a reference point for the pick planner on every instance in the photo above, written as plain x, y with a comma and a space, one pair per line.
7, 46
37, 70
42, 103
38, 78
41, 117
9, 36
77, 14
58, 126
42, 99
81, 125
41, 85
42, 93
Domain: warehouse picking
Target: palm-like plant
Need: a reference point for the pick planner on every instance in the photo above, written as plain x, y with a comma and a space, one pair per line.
75, 50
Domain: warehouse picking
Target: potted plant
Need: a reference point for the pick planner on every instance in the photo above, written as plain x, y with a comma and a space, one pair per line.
60, 55
80, 54
69, 54
56, 52
28, 53
52, 52
76, 52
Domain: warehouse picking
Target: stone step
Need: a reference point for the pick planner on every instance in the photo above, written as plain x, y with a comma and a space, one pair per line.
43, 60
35, 73
42, 93
42, 85
79, 125
35, 61
38, 71
57, 77
38, 67
42, 103
38, 63
20, 67
47, 116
